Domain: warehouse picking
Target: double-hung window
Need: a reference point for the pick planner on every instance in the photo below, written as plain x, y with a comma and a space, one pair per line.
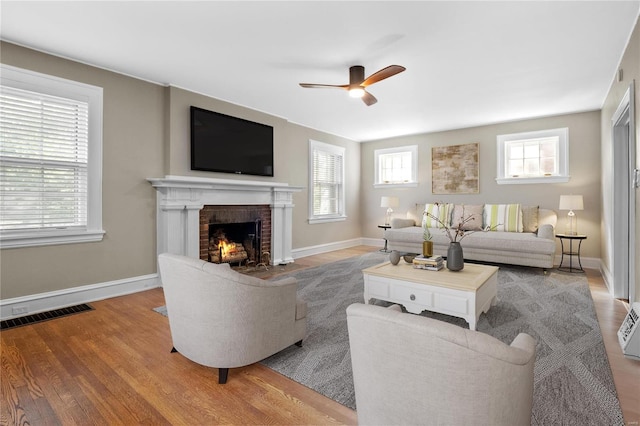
533, 157
396, 167
50, 160
326, 182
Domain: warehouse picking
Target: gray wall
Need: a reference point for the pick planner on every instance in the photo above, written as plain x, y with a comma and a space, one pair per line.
146, 134
630, 64
291, 152
584, 168
132, 151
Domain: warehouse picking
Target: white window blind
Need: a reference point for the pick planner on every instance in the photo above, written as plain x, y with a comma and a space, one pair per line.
327, 172
43, 161
327, 182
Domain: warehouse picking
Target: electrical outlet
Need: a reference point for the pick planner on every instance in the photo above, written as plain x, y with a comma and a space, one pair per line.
18, 310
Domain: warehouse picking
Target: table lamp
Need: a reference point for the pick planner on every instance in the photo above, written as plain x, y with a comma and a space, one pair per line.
388, 202
571, 203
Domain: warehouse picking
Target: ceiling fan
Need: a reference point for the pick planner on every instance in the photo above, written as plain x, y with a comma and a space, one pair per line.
357, 82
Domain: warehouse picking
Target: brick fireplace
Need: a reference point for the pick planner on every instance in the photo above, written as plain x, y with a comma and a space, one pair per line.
246, 225
185, 203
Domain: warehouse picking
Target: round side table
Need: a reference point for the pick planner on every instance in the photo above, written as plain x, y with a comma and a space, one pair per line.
385, 227
570, 252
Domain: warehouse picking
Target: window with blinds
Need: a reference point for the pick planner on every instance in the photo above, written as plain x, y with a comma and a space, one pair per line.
50, 155
326, 165
43, 154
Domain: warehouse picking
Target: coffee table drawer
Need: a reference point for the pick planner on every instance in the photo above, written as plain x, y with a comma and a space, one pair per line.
410, 294
378, 288
452, 304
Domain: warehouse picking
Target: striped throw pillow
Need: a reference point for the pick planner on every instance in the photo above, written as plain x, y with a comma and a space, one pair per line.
503, 217
441, 211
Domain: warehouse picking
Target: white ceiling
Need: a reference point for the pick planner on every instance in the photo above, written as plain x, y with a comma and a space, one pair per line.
468, 63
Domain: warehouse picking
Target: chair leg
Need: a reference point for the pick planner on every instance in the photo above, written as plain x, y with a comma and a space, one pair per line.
299, 344
222, 375
173, 350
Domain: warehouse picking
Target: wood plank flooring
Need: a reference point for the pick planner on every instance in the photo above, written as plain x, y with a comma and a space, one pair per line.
113, 366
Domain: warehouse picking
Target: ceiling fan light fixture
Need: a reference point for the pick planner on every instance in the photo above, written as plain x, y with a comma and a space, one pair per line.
356, 92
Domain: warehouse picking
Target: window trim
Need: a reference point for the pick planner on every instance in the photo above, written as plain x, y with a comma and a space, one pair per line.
563, 157
334, 149
93, 95
413, 149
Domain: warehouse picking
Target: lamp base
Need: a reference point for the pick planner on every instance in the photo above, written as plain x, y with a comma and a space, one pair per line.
572, 224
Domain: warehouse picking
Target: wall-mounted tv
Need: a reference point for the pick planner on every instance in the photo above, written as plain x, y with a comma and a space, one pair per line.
221, 143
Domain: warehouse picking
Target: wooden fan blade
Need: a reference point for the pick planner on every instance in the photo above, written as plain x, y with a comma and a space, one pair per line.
324, 86
369, 99
387, 72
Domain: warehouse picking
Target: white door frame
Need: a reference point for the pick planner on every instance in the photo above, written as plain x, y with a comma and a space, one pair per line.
623, 193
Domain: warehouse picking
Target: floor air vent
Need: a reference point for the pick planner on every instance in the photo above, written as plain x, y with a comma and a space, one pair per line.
44, 316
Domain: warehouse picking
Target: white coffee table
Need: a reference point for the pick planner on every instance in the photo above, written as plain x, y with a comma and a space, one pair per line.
464, 294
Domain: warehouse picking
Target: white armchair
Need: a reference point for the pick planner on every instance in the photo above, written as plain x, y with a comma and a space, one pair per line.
223, 319
409, 369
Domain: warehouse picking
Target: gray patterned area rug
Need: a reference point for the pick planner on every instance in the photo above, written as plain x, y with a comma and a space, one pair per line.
573, 384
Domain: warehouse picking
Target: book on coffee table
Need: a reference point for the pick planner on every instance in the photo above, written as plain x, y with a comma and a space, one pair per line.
432, 263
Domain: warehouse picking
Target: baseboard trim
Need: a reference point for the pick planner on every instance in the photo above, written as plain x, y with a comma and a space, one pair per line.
587, 262
42, 302
338, 245
607, 278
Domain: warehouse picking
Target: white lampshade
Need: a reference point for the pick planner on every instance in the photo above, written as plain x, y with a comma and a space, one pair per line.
571, 202
389, 202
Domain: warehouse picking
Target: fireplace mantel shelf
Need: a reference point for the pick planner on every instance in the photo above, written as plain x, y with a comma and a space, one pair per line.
180, 198
171, 181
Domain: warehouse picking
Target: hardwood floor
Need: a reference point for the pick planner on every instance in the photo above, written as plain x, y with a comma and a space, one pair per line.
113, 365
626, 372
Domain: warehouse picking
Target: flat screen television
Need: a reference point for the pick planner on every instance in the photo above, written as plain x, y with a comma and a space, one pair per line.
221, 143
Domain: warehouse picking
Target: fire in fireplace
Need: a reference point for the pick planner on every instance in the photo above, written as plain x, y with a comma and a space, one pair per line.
235, 242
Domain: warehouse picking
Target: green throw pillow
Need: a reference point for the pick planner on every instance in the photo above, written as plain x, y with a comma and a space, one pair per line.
503, 217
441, 211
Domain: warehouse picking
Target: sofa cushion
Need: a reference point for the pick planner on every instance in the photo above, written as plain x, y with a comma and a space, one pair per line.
530, 218
503, 217
462, 212
397, 222
441, 210
516, 242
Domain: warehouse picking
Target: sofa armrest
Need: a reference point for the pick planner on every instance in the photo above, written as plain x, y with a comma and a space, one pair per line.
546, 231
402, 223
525, 342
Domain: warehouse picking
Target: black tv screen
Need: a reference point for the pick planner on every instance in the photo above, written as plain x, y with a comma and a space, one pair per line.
221, 143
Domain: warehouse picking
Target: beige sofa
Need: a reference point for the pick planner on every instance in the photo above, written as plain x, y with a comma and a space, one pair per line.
410, 370
535, 249
221, 318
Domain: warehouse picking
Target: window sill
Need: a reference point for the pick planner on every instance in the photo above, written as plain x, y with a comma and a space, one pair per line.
315, 220
534, 180
48, 238
396, 185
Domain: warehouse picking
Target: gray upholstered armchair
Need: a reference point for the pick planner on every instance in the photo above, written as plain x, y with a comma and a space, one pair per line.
221, 318
409, 369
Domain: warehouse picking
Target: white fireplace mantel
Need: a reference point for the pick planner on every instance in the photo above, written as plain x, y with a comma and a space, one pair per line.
180, 199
